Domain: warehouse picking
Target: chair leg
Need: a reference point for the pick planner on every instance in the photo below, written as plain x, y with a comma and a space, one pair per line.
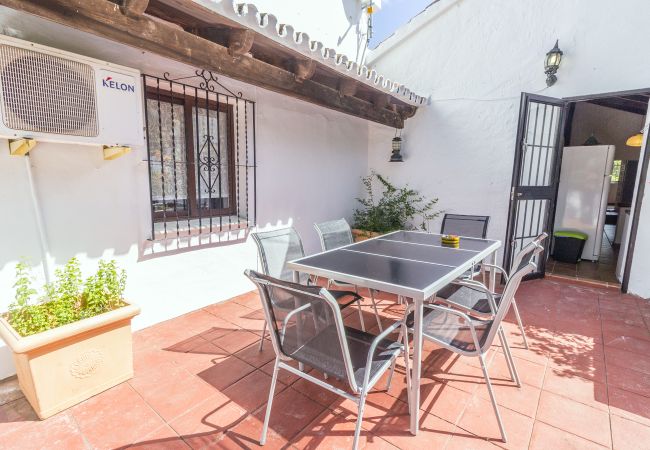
374, 305
521, 325
267, 416
508, 355
357, 429
363, 323
263, 335
493, 398
392, 366
407, 363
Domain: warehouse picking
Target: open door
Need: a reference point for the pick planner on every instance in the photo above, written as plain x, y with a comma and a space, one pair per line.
536, 174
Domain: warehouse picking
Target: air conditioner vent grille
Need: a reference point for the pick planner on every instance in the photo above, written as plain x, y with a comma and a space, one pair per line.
46, 93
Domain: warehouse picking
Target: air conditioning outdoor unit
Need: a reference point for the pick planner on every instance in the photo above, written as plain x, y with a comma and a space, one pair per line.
51, 95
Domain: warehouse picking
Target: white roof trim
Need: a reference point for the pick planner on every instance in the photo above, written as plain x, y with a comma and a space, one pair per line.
267, 24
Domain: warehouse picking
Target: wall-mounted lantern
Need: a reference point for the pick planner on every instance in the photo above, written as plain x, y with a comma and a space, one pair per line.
552, 63
396, 156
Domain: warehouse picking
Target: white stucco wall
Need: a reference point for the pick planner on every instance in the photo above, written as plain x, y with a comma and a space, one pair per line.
309, 160
475, 58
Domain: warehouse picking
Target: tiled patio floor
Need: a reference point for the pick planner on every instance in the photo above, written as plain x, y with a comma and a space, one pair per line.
201, 382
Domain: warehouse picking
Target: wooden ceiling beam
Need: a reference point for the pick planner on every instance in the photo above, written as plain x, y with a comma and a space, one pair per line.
348, 87
134, 7
240, 42
104, 18
304, 69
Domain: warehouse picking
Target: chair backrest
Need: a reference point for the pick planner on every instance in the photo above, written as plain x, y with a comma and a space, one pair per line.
527, 266
334, 234
465, 225
305, 325
276, 248
519, 261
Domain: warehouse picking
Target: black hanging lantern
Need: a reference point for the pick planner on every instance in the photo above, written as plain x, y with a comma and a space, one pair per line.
552, 63
396, 156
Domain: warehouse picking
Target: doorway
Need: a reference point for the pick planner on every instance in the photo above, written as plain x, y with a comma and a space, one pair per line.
574, 172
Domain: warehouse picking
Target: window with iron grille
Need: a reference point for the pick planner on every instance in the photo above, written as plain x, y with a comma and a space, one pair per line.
201, 152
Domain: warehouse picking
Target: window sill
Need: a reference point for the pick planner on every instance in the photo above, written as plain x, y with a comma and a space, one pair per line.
174, 229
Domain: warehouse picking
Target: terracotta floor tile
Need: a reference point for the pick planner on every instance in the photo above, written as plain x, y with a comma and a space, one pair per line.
629, 360
252, 391
205, 424
16, 414
529, 372
164, 438
546, 437
523, 400
629, 380
627, 343
442, 400
629, 435
129, 416
57, 432
573, 417
462, 440
479, 419
225, 371
626, 330
629, 405
253, 356
582, 390
291, 412
237, 340
9, 390
176, 396
246, 435
284, 376
333, 431
249, 299
318, 393
589, 353
433, 433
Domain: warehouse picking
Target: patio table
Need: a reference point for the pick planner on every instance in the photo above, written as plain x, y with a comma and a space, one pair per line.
409, 263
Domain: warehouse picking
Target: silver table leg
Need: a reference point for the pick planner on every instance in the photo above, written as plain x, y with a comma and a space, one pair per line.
296, 279
417, 366
493, 273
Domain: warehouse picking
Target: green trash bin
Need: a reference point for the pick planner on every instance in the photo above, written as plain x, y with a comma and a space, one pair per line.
568, 245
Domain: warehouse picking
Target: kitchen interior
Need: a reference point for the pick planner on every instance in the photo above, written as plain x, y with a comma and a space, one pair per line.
597, 181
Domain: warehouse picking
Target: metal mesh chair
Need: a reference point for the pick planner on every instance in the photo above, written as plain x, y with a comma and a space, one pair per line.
467, 335
532, 250
335, 234
308, 328
278, 247
465, 225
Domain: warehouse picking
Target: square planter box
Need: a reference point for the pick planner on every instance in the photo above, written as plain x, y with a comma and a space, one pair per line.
362, 235
63, 366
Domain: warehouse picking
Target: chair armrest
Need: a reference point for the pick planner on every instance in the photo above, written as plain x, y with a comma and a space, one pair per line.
466, 319
475, 286
373, 347
500, 269
289, 316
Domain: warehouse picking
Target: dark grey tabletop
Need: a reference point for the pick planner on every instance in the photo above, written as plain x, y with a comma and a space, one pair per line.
408, 263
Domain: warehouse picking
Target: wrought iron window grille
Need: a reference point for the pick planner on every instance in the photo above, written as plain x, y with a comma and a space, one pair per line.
201, 155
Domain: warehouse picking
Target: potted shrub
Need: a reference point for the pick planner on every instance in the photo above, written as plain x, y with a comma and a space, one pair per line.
75, 341
397, 209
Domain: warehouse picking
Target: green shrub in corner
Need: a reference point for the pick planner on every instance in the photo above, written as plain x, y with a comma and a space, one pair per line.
396, 209
67, 299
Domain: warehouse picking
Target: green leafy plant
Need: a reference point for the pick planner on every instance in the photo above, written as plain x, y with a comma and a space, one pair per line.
67, 299
396, 209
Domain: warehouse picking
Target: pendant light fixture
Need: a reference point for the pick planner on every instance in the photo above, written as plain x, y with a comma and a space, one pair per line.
396, 156
635, 140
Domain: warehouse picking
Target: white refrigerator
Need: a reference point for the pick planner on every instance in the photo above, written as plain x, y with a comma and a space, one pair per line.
582, 196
